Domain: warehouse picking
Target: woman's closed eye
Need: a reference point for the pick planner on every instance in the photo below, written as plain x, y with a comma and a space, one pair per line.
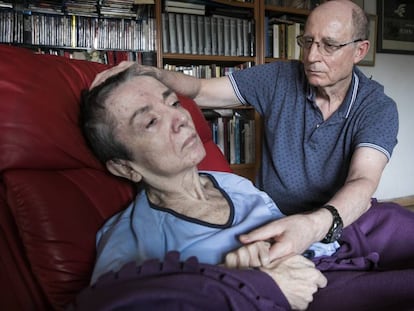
151, 123
176, 104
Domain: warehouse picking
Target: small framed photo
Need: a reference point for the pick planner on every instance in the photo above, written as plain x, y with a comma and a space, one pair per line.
395, 26
369, 59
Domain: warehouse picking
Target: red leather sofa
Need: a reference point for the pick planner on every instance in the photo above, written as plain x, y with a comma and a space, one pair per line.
54, 195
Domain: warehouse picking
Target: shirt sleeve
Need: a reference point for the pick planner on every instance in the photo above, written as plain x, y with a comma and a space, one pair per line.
378, 125
116, 245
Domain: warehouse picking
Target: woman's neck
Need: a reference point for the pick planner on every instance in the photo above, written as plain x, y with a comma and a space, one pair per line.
198, 199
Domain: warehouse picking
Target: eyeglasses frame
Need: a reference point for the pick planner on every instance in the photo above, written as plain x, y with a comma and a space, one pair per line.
338, 47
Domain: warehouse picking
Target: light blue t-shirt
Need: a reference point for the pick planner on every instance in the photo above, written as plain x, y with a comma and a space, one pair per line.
144, 231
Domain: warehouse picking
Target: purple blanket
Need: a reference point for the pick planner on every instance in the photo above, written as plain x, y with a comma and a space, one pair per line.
373, 270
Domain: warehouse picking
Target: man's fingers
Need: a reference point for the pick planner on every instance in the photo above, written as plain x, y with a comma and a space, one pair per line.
263, 233
102, 76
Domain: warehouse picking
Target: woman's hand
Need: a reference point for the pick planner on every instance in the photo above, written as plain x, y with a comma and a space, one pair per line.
253, 255
297, 278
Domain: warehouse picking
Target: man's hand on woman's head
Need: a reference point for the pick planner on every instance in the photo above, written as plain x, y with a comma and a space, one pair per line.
102, 76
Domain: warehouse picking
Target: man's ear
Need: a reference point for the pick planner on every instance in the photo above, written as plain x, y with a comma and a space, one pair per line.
122, 168
362, 50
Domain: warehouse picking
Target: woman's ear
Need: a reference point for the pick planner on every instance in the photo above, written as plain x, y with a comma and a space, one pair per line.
122, 168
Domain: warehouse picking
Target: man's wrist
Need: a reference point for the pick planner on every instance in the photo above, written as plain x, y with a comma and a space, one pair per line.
335, 231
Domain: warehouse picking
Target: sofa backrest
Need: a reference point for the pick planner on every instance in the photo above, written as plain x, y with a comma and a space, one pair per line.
57, 192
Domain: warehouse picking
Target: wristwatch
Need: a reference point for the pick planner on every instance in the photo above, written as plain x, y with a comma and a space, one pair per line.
335, 231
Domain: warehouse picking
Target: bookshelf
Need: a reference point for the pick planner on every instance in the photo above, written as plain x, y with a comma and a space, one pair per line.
110, 31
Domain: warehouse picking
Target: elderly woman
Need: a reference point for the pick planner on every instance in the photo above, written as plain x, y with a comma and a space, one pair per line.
136, 126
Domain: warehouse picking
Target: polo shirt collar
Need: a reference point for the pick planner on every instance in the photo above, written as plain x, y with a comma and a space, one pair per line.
350, 98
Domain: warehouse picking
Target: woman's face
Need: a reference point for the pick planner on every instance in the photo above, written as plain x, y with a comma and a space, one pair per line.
155, 128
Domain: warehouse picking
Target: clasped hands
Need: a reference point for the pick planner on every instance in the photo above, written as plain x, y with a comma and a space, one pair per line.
275, 249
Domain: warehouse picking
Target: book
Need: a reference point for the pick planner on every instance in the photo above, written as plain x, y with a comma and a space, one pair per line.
179, 30
165, 33
207, 35
173, 33
220, 36
194, 34
276, 41
226, 36
174, 9
213, 24
200, 34
246, 39
233, 37
239, 38
293, 49
186, 4
187, 33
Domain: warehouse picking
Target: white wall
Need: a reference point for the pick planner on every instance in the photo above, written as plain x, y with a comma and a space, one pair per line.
396, 73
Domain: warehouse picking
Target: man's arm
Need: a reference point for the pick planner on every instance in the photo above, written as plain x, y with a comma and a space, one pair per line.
295, 233
209, 93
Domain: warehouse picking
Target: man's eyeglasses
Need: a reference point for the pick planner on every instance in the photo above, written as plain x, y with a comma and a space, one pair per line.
325, 48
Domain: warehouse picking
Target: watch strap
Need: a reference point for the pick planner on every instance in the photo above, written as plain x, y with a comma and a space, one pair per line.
335, 231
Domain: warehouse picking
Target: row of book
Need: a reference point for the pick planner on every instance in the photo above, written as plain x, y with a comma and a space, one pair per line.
104, 56
118, 8
207, 71
234, 133
207, 35
77, 31
280, 40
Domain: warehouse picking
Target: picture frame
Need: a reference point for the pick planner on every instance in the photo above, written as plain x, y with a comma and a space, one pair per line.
395, 27
369, 59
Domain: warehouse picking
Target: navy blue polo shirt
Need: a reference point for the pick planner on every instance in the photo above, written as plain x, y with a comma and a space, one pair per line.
305, 160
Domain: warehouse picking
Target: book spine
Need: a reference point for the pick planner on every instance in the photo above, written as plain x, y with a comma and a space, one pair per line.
165, 33
207, 35
179, 31
220, 36
214, 49
172, 34
194, 34
187, 33
226, 37
233, 37
200, 34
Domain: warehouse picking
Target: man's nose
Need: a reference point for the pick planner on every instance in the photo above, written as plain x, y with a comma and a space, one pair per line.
313, 52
